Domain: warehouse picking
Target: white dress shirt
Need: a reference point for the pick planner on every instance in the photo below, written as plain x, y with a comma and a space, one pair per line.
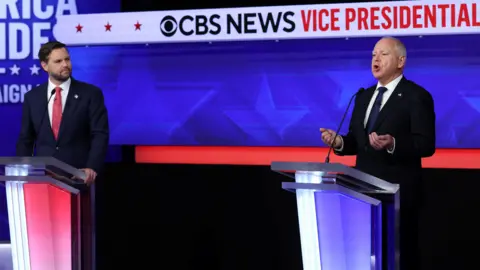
386, 95
390, 88
65, 88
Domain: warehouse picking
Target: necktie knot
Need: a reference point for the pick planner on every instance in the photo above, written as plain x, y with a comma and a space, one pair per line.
58, 89
382, 90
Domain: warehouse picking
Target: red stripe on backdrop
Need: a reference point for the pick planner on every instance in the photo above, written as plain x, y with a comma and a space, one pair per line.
443, 158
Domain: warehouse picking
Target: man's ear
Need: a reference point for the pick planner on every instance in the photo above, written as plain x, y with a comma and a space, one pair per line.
401, 62
44, 65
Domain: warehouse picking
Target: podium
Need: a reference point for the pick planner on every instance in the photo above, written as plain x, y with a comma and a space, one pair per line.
348, 219
49, 214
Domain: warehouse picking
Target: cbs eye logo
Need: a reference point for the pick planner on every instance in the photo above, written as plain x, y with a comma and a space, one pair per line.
168, 26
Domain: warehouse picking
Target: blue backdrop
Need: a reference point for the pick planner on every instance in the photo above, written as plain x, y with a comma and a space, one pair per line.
269, 93
259, 93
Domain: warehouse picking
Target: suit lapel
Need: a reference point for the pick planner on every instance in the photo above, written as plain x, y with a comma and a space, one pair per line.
42, 104
365, 102
43, 96
70, 105
391, 103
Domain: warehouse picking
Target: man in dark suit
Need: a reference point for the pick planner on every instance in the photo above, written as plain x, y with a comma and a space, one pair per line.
67, 118
391, 129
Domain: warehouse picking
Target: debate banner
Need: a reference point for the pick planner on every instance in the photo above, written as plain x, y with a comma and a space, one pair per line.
397, 18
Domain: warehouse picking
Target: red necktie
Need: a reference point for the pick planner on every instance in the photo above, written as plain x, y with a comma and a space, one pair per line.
57, 112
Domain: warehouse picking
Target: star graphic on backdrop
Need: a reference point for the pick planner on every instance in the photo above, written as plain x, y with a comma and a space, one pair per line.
472, 98
162, 109
473, 101
15, 70
174, 105
79, 28
265, 117
138, 26
34, 70
452, 135
361, 78
108, 27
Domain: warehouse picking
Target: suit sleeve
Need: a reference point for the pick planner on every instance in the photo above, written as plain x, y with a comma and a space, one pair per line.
99, 132
349, 143
420, 142
26, 137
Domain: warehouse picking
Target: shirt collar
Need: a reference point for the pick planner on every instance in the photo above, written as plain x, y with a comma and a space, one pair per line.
391, 85
65, 85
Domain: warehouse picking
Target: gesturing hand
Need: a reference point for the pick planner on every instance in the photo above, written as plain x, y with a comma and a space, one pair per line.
327, 137
379, 142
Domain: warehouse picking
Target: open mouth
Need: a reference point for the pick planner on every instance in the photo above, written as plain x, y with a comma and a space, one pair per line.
376, 67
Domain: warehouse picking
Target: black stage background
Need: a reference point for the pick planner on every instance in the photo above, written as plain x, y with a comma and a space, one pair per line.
238, 217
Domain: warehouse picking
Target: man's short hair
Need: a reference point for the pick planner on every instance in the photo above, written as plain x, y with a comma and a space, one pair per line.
47, 48
399, 46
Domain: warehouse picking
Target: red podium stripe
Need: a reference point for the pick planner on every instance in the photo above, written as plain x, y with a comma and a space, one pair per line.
48, 215
443, 158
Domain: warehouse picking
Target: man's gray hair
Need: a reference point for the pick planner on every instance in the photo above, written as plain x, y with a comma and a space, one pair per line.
399, 46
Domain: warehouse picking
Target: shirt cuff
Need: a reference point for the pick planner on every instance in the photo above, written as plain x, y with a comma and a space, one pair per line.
339, 149
390, 151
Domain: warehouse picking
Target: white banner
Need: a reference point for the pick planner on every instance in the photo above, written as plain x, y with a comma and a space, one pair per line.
274, 23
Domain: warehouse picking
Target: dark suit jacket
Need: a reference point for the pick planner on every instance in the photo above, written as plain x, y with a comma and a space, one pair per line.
84, 132
409, 117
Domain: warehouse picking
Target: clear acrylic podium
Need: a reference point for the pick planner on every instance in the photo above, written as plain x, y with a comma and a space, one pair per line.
47, 214
348, 219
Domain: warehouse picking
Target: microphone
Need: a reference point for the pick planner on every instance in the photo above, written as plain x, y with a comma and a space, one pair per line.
327, 158
41, 121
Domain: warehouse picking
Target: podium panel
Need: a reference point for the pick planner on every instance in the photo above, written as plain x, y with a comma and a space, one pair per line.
45, 214
49, 219
342, 219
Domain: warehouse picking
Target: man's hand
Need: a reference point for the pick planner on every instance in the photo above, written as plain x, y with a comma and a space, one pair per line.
91, 175
379, 142
327, 138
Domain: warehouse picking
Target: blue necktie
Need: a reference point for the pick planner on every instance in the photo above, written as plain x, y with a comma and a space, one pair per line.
375, 109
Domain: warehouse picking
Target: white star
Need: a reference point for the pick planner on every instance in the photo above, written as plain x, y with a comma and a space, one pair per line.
34, 69
15, 70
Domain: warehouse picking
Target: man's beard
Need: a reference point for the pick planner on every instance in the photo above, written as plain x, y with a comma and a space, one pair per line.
60, 77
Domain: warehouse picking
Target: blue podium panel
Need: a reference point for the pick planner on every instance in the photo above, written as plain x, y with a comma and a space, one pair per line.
345, 217
345, 231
